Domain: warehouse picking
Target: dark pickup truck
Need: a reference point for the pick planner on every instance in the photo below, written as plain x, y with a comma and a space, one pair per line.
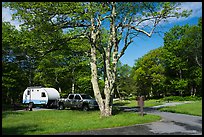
79, 101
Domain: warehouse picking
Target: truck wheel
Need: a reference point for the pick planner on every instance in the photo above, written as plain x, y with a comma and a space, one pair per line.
61, 106
85, 108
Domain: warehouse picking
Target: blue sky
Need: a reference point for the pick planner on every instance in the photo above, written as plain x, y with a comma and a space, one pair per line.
142, 45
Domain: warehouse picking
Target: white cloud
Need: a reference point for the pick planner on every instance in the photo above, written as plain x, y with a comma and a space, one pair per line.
196, 8
6, 14
7, 17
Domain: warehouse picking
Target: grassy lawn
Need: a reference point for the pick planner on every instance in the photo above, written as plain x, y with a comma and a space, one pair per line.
133, 103
194, 108
55, 121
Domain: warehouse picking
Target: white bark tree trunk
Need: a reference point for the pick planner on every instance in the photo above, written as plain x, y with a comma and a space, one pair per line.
73, 86
110, 61
94, 74
111, 55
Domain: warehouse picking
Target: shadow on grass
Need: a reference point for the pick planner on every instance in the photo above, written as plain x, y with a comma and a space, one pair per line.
120, 109
5, 113
6, 107
20, 130
121, 103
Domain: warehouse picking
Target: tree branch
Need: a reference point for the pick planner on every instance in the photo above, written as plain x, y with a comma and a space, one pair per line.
126, 45
199, 64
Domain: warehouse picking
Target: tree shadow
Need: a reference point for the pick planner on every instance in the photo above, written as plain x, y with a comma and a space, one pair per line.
120, 103
5, 113
13, 107
120, 109
20, 130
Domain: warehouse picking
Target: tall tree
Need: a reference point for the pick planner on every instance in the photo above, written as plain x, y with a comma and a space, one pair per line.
14, 77
125, 21
124, 82
183, 54
149, 74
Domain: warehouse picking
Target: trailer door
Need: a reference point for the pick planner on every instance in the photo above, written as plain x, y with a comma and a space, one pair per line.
44, 97
27, 96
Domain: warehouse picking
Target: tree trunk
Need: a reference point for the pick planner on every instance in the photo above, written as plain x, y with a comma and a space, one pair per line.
191, 91
73, 86
105, 105
111, 68
194, 94
73, 80
94, 74
94, 81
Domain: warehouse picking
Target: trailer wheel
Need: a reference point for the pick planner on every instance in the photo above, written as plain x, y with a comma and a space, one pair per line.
61, 106
30, 106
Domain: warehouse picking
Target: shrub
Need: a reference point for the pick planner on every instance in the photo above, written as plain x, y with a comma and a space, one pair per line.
173, 98
132, 98
179, 98
192, 98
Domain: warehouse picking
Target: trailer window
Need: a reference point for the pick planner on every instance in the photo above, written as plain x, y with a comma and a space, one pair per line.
43, 94
28, 92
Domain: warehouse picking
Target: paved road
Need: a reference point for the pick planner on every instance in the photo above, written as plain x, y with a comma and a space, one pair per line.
170, 124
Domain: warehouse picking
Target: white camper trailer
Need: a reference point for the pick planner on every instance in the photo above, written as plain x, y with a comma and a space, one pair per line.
41, 96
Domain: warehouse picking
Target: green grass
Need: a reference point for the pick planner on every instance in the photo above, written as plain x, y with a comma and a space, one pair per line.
153, 102
133, 103
194, 108
55, 121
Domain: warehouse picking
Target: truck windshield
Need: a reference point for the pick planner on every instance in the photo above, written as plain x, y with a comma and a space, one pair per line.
86, 96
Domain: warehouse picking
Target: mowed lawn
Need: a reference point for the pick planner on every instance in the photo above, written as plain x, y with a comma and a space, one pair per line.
133, 103
59, 121
194, 108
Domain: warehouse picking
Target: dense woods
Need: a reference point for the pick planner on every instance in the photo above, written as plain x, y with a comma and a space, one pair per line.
67, 46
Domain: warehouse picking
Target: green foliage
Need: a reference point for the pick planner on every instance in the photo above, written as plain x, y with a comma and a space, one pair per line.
13, 77
173, 98
192, 98
133, 97
52, 53
124, 83
175, 68
148, 72
182, 46
179, 98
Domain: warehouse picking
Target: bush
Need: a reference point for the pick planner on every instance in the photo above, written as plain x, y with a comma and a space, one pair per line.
179, 98
173, 98
192, 98
132, 98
